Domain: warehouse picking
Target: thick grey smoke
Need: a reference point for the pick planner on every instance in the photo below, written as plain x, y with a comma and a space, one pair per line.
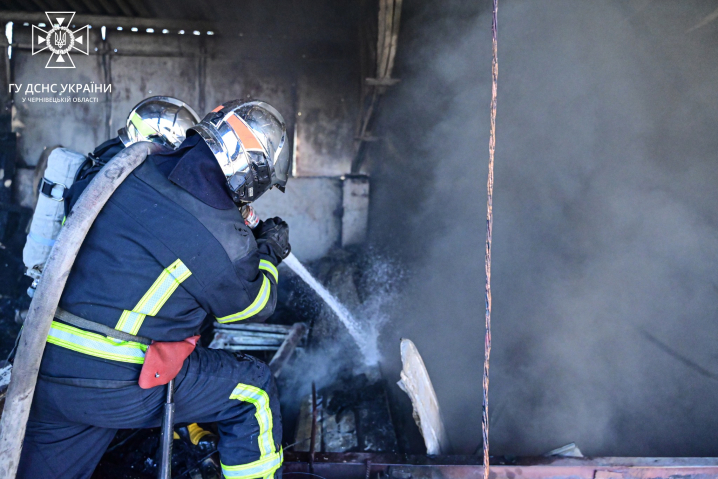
605, 253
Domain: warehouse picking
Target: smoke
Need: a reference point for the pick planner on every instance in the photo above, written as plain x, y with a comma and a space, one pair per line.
366, 285
605, 281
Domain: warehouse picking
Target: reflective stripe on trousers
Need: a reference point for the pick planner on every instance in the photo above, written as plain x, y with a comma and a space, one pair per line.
94, 344
155, 297
269, 459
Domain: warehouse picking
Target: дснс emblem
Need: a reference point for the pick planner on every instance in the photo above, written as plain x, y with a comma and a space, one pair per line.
60, 40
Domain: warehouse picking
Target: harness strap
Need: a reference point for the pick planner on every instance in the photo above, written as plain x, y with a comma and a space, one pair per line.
83, 323
89, 383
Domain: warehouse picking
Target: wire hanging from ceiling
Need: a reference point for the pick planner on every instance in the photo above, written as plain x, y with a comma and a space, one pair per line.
489, 231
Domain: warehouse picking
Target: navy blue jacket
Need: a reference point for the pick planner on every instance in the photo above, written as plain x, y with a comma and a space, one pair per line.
168, 251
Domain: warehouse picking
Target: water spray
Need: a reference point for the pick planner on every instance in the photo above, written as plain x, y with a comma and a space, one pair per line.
367, 348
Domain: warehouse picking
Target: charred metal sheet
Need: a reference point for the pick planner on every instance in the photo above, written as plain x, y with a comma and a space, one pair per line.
396, 466
355, 204
326, 108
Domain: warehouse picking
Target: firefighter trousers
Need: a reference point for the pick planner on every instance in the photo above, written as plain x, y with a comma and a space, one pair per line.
72, 422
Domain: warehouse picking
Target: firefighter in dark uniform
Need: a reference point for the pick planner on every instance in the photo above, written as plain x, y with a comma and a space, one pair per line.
159, 119
169, 251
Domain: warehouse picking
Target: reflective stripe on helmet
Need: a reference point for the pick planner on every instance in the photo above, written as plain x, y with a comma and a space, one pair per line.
269, 268
155, 297
145, 129
257, 305
245, 134
94, 344
159, 119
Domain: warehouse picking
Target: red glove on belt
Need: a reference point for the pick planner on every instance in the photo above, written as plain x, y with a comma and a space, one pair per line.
163, 361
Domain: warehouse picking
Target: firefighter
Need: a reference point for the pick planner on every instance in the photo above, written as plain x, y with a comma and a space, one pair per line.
159, 119
169, 251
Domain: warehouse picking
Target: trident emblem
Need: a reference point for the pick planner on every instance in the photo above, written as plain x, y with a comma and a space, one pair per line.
60, 39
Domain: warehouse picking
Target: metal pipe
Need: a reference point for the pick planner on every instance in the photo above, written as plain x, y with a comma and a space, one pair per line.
167, 434
46, 298
312, 444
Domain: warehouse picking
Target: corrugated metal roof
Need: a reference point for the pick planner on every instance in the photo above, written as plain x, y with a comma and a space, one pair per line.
318, 19
125, 8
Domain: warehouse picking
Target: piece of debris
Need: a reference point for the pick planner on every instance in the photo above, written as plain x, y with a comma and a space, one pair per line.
416, 383
569, 450
352, 416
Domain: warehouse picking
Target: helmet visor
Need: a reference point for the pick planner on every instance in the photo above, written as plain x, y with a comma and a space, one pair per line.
269, 128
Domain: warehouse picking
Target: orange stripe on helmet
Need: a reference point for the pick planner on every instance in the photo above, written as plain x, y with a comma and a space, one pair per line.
218, 108
246, 136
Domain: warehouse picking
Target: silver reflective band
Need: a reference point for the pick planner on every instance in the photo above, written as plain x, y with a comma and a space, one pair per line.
269, 459
94, 344
259, 303
264, 468
155, 297
269, 268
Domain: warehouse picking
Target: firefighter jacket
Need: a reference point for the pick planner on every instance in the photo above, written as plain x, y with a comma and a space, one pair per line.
168, 252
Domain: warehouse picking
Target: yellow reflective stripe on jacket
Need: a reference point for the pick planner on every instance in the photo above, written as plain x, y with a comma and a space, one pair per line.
259, 303
155, 297
269, 268
269, 459
95, 344
263, 468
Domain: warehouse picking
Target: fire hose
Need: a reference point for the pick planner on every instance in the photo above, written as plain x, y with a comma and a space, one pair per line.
47, 297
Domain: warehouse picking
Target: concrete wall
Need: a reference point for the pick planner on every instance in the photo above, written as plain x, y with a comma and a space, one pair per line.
312, 78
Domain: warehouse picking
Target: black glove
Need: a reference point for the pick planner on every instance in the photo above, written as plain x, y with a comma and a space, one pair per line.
274, 232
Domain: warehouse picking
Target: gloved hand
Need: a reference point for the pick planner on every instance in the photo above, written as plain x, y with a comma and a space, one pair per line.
275, 233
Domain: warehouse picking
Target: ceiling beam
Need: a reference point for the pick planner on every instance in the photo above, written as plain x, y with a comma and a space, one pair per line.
75, 6
108, 8
140, 8
42, 5
90, 5
126, 10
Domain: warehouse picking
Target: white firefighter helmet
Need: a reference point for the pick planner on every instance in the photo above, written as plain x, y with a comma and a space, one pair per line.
248, 140
159, 119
